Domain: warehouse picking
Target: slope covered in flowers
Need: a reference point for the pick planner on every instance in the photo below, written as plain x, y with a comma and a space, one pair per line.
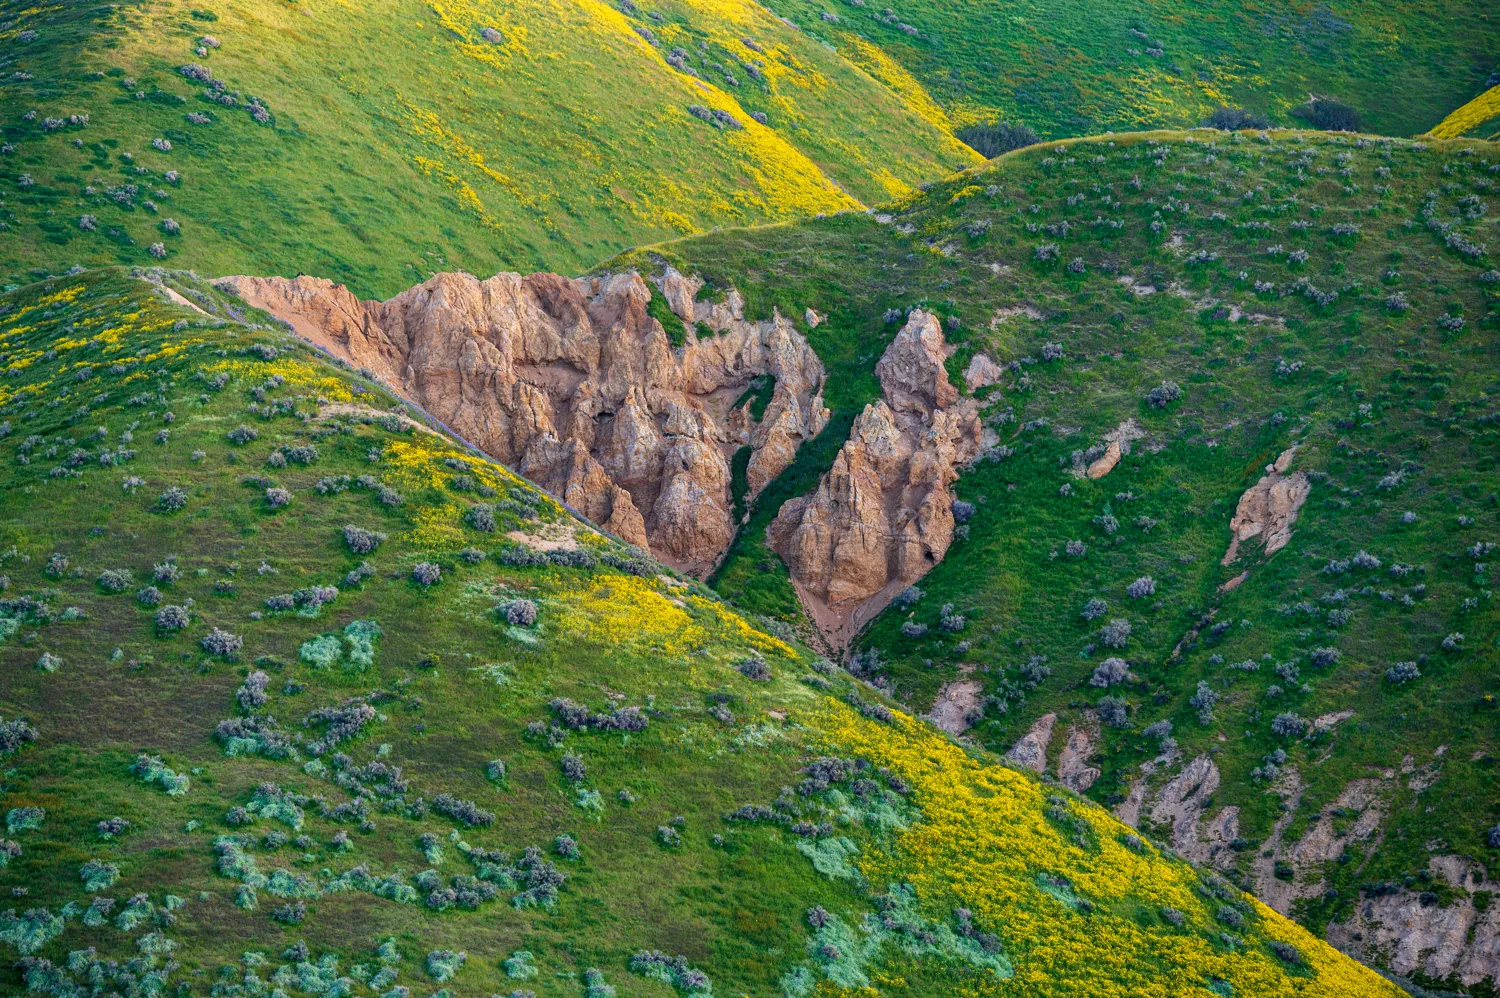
546, 134
296, 700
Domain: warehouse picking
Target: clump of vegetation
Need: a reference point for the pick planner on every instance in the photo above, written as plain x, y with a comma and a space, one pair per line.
997, 139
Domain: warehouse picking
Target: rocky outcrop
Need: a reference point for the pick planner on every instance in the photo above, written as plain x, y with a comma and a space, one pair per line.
982, 371
1269, 508
881, 517
1182, 804
1324, 841
1100, 460
1410, 933
957, 705
574, 385
1073, 769
1030, 752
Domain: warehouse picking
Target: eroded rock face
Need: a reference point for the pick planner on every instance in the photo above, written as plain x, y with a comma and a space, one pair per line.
1410, 936
1182, 803
1324, 841
956, 705
1030, 751
882, 515
571, 383
1073, 769
1269, 508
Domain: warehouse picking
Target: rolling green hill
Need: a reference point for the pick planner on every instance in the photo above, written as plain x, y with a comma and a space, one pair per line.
478, 135
1078, 67
1334, 293
295, 701
303, 696
286, 138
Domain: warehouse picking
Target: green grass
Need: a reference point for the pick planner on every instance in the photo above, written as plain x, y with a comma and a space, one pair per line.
422, 147
1364, 390
1081, 67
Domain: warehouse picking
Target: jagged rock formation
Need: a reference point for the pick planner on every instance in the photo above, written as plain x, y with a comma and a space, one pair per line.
1181, 805
1402, 929
573, 384
882, 515
1073, 769
1030, 751
1269, 508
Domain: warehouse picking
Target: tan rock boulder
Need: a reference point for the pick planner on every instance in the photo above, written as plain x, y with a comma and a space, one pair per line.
982, 371
1269, 508
1030, 752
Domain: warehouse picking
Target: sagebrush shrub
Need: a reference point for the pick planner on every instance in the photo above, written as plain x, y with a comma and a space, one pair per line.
172, 500
115, 580
172, 617
361, 541
221, 642
1115, 634
1109, 672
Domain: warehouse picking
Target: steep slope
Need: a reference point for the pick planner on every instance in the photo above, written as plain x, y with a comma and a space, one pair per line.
1476, 118
1225, 567
1077, 67
294, 138
302, 695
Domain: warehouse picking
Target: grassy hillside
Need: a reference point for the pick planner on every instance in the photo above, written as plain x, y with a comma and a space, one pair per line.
1078, 67
1325, 291
549, 135
280, 713
475, 135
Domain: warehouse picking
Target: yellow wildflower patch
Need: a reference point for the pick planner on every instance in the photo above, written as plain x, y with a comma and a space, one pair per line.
982, 842
296, 374
873, 60
416, 463
60, 297
736, 625
894, 185
625, 612
1470, 116
790, 183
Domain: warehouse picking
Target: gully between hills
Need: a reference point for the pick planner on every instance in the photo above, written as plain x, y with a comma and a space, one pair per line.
572, 384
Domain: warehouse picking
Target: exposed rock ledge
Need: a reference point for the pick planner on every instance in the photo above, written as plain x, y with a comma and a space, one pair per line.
1414, 934
1269, 508
882, 516
571, 383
